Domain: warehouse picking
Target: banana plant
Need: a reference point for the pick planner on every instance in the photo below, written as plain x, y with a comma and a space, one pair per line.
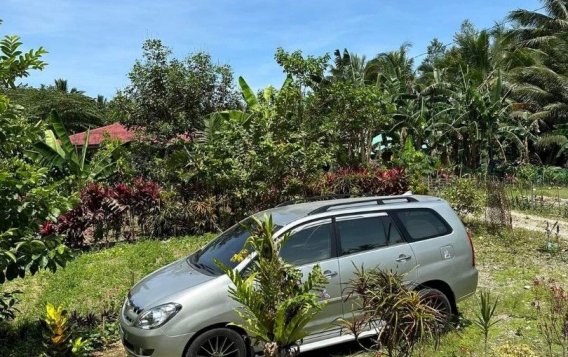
214, 122
56, 150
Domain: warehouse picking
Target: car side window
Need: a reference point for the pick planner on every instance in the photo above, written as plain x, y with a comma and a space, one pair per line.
391, 232
423, 223
359, 234
308, 245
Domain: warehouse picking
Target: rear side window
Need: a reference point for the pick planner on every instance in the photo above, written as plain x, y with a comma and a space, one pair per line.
423, 223
309, 245
366, 233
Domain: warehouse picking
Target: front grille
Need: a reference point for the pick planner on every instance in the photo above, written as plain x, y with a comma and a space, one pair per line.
130, 311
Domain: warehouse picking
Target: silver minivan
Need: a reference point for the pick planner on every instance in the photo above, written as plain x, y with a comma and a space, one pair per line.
184, 308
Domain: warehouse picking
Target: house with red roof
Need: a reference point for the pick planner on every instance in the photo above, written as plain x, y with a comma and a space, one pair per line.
114, 131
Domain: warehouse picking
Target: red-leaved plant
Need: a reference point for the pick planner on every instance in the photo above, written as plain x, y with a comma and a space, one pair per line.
119, 210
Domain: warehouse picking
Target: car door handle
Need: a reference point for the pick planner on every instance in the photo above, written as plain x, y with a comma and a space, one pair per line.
403, 258
329, 273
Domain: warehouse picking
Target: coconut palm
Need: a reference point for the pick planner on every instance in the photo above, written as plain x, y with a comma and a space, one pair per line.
542, 86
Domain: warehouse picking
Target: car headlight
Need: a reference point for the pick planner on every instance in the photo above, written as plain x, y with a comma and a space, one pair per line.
157, 316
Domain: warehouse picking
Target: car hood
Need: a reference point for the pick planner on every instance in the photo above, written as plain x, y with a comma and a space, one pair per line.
158, 286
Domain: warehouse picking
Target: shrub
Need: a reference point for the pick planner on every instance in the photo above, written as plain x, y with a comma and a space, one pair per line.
28, 195
199, 209
179, 216
372, 181
118, 209
401, 315
464, 197
276, 304
551, 302
58, 334
528, 175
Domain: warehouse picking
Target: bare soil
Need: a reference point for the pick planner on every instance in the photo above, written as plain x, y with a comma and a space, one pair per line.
537, 223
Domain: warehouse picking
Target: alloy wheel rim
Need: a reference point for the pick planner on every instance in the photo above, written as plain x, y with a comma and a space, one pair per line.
218, 346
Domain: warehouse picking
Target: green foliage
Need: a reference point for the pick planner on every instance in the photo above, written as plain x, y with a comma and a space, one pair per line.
8, 301
384, 303
15, 63
276, 304
485, 318
246, 157
16, 133
56, 150
465, 197
28, 196
417, 163
78, 112
58, 334
360, 112
169, 97
528, 175
28, 199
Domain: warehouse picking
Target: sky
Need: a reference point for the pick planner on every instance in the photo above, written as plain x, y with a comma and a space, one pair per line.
94, 43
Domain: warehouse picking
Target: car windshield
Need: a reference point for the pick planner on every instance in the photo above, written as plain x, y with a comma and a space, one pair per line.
222, 249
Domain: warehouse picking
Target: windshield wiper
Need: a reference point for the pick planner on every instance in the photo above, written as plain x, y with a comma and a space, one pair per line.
204, 267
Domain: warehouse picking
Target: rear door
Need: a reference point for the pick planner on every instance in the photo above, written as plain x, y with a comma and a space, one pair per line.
310, 244
369, 241
434, 242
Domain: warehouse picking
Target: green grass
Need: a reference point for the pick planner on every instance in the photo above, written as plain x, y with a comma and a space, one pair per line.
95, 281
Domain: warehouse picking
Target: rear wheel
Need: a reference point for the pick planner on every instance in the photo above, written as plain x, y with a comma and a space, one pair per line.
439, 302
219, 342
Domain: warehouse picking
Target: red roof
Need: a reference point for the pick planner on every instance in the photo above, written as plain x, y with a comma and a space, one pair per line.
96, 136
115, 131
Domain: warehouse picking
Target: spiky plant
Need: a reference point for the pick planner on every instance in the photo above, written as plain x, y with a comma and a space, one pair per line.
276, 304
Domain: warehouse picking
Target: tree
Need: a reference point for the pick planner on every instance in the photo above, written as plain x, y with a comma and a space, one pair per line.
344, 106
542, 85
28, 196
77, 111
62, 86
169, 97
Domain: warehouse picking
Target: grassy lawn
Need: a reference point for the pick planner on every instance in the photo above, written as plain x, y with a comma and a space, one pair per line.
98, 281
93, 282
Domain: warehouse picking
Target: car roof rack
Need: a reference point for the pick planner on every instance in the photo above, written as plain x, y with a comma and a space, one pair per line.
312, 199
378, 201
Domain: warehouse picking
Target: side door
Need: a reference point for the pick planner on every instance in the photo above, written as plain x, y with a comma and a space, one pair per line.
370, 241
310, 244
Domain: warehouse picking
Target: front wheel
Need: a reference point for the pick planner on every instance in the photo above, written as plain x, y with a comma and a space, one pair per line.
219, 342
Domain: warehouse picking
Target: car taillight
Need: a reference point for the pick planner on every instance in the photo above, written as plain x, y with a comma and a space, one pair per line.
470, 238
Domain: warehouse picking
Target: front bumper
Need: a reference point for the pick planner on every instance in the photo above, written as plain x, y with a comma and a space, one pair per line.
154, 343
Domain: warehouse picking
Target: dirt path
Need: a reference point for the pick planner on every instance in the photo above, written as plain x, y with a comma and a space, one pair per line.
537, 223
114, 350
